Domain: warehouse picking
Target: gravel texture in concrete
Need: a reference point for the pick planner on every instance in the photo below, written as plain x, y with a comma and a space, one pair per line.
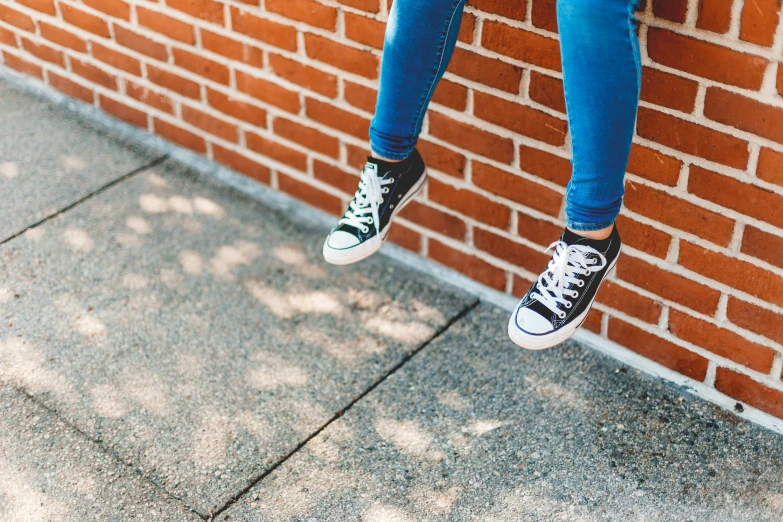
50, 472
197, 334
49, 159
474, 429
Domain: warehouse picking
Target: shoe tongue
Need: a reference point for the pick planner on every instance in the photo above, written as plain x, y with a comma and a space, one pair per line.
371, 167
383, 167
572, 238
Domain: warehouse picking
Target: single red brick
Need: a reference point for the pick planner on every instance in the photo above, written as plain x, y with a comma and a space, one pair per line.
544, 14
180, 136
517, 188
521, 45
516, 10
237, 109
545, 165
337, 118
84, 20
547, 91
371, 6
753, 393
452, 95
114, 8
241, 164
268, 92
470, 204
405, 237
21, 65
659, 350
678, 213
763, 245
336, 177
232, 49
770, 166
469, 137
13, 17
149, 97
140, 44
515, 253
471, 266
692, 138
748, 199
488, 71
7, 37
674, 10
304, 75
520, 119
537, 230
71, 88
94, 74
63, 37
208, 123
593, 321
714, 15
208, 10
732, 272
44, 52
705, 59
643, 237
309, 194
357, 156
467, 28
360, 96
668, 90
667, 285
205, 67
273, 33
442, 159
124, 112
364, 30
780, 80
760, 21
166, 25
174, 82
44, 6
653, 165
721, 342
520, 286
308, 11
116, 59
434, 219
757, 319
629, 302
276, 151
744, 113
341, 56
311, 138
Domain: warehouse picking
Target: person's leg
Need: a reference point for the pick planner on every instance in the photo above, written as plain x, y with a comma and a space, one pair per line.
420, 39
602, 78
419, 42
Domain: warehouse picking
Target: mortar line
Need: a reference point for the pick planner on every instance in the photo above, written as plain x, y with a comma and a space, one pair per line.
92, 194
282, 460
98, 443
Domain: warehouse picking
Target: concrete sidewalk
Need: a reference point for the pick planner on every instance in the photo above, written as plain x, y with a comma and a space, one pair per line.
170, 349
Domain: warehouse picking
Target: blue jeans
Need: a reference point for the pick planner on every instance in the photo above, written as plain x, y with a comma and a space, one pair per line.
601, 77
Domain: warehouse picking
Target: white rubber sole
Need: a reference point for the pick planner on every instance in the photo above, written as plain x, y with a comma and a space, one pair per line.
541, 342
372, 245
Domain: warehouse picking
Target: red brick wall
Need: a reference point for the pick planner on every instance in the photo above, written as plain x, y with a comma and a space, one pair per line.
284, 92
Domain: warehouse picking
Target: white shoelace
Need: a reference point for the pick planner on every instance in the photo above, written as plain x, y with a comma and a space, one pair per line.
568, 262
363, 210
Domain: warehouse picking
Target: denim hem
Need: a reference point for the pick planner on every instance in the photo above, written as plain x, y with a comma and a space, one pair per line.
588, 227
394, 156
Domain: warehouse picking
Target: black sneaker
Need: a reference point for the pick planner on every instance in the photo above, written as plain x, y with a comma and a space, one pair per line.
557, 304
385, 188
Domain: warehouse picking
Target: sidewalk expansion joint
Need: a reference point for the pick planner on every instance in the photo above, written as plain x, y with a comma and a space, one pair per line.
98, 443
87, 197
464, 312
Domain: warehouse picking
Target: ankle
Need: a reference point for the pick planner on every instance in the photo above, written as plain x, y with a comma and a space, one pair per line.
595, 234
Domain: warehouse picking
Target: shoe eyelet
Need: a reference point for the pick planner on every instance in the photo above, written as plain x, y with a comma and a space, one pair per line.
391, 206
580, 283
561, 315
574, 294
369, 221
568, 304
385, 190
365, 229
391, 179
